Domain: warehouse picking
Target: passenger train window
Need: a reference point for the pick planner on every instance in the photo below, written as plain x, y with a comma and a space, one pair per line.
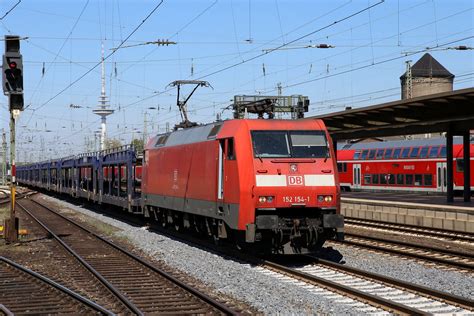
364, 154
418, 179
399, 178
391, 178
388, 153
409, 179
442, 153
433, 152
379, 154
396, 153
367, 179
356, 155
405, 152
375, 179
383, 179
460, 165
372, 154
428, 180
424, 152
414, 152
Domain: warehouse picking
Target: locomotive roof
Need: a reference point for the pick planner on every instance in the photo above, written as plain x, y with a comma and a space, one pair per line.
399, 143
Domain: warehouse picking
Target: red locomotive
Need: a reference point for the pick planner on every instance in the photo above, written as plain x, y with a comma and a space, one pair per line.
271, 184
408, 165
268, 185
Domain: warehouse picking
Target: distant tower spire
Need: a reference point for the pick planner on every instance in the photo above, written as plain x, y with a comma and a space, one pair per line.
103, 108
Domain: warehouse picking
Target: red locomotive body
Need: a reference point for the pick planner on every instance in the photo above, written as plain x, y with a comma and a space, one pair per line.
410, 165
268, 184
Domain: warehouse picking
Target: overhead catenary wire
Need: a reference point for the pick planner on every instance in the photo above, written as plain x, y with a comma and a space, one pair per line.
105, 58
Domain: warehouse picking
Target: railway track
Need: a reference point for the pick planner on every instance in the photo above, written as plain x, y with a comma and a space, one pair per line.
362, 290
447, 257
136, 285
23, 291
412, 230
379, 291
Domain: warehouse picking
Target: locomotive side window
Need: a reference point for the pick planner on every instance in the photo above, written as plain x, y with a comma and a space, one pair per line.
433, 152
308, 144
405, 152
270, 144
424, 152
396, 153
442, 153
230, 149
379, 154
388, 153
364, 154
414, 152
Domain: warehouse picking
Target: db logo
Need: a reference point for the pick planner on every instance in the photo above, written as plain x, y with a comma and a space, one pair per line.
295, 180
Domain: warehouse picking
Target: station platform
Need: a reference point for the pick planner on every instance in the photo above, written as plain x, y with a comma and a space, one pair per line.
422, 210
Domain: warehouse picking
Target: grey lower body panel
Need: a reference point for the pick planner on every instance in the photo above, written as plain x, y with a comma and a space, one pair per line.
228, 212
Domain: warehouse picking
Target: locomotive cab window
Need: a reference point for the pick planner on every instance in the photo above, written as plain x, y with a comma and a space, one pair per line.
295, 144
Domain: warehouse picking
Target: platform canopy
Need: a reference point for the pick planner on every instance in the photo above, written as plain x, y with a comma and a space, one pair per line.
439, 112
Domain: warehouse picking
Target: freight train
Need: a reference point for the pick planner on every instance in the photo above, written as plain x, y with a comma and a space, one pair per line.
405, 165
269, 186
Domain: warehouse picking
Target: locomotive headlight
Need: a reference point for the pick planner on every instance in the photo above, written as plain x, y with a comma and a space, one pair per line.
324, 198
262, 199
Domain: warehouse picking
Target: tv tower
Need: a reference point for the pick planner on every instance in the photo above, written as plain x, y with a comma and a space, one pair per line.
103, 109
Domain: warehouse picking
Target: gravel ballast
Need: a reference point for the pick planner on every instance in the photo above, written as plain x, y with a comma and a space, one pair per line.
266, 292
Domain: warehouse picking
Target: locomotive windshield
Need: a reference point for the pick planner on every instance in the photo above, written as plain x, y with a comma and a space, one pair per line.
284, 144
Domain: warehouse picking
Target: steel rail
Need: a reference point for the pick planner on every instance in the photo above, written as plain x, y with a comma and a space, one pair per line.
57, 286
426, 257
371, 299
418, 289
106, 283
206, 298
425, 231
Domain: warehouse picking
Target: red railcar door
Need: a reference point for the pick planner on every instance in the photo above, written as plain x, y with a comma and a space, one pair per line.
441, 177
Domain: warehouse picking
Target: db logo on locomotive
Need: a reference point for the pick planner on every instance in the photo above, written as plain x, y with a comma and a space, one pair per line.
295, 180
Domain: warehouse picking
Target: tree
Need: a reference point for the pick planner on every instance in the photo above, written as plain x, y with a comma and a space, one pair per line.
112, 143
138, 144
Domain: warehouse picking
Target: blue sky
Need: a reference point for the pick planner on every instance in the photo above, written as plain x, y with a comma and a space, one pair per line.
222, 42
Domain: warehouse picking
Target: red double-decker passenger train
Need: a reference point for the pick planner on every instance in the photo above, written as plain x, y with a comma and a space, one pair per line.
406, 165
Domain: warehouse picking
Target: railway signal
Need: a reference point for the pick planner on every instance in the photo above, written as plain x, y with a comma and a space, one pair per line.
12, 82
